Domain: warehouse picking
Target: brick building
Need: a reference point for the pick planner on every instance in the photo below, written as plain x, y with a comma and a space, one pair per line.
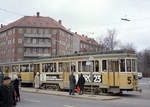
32, 37
87, 44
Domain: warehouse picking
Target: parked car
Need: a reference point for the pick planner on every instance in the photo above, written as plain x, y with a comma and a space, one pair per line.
140, 75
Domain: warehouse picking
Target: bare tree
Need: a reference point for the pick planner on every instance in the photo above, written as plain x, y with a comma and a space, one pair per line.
128, 46
109, 42
144, 62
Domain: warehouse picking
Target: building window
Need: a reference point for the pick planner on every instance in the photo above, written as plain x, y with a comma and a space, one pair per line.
33, 41
34, 30
20, 41
54, 31
10, 32
20, 50
40, 41
40, 31
46, 50
46, 41
14, 31
28, 30
20, 30
46, 31
27, 50
54, 51
28, 40
34, 50
40, 50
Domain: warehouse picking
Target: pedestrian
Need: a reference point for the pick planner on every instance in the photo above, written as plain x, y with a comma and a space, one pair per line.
16, 87
7, 97
37, 81
1, 77
81, 83
72, 84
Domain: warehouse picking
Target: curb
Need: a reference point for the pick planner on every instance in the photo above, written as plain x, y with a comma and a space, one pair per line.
81, 97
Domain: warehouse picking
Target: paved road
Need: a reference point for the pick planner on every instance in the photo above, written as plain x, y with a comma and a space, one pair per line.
127, 100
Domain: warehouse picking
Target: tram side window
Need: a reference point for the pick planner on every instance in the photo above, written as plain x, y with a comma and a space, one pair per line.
6, 69
49, 67
128, 61
24, 68
60, 67
104, 65
84, 66
79, 66
1, 69
15, 68
122, 65
96, 66
110, 66
133, 65
73, 67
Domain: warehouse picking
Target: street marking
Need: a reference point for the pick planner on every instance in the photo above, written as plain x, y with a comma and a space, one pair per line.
33, 101
68, 106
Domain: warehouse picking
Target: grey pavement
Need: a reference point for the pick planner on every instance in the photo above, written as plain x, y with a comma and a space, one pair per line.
128, 99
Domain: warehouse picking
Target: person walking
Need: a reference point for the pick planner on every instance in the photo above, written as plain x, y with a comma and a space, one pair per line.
7, 97
81, 83
1, 77
37, 81
72, 84
16, 87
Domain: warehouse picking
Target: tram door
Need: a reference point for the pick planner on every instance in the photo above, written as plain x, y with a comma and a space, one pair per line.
66, 72
113, 73
36, 68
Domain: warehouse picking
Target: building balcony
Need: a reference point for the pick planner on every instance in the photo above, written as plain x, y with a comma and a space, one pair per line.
46, 45
37, 35
35, 55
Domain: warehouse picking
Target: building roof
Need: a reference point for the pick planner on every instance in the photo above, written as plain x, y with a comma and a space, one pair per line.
86, 39
35, 21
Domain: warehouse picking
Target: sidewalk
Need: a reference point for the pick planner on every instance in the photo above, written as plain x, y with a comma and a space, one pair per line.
66, 94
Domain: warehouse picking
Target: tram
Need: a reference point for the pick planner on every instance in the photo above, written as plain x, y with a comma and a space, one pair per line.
111, 71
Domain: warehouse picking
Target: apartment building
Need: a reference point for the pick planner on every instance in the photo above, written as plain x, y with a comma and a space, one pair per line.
34, 36
87, 44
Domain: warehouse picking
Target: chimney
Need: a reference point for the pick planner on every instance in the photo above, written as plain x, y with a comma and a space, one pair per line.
1, 25
38, 14
59, 21
75, 32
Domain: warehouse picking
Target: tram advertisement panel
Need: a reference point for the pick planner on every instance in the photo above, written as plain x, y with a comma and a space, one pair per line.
97, 78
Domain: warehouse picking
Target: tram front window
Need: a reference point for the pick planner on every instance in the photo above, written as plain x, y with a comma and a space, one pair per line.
60, 67
128, 62
133, 65
122, 65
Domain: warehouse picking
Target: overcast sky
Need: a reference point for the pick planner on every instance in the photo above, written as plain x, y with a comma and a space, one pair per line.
87, 16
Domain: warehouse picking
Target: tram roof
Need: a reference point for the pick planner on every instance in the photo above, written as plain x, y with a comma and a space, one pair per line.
114, 53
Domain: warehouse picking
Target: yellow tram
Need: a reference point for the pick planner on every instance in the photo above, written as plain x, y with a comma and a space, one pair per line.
113, 71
